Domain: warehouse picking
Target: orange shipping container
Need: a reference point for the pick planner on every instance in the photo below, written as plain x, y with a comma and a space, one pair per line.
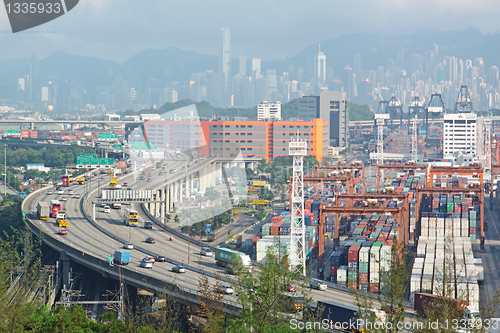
121, 164
255, 239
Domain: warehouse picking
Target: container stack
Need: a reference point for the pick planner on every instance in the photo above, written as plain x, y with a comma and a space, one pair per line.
443, 260
336, 260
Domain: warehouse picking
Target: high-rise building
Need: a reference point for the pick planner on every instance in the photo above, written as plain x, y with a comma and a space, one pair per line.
333, 109
357, 63
309, 108
224, 77
256, 70
459, 134
319, 70
272, 85
348, 81
269, 111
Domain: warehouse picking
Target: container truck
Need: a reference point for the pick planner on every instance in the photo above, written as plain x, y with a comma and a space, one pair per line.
210, 237
61, 219
236, 240
228, 258
112, 183
43, 210
122, 257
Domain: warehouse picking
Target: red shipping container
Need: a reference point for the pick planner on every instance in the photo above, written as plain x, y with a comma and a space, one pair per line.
333, 270
363, 278
307, 203
275, 228
353, 253
25, 134
276, 219
255, 239
472, 230
373, 287
352, 284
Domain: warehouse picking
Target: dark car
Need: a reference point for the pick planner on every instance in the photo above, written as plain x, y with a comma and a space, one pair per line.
161, 258
178, 269
150, 240
142, 178
150, 180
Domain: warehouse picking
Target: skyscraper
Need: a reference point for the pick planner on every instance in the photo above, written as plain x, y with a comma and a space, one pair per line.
357, 63
224, 77
256, 68
320, 67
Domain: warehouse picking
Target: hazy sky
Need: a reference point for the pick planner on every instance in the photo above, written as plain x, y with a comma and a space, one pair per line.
117, 29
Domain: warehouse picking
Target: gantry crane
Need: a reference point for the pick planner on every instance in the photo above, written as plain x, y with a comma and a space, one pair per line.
357, 168
395, 107
408, 167
416, 106
464, 101
436, 105
475, 170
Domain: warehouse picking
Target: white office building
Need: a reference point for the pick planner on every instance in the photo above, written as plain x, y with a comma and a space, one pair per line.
269, 111
459, 134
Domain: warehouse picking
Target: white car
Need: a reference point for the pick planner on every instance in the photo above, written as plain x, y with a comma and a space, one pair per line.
205, 251
128, 246
70, 192
107, 209
64, 199
226, 289
60, 192
49, 192
146, 264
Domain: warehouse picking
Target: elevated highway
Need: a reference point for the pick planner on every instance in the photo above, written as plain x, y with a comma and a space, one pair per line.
91, 241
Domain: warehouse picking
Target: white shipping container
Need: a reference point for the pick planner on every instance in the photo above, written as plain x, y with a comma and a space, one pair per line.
473, 293
424, 232
419, 260
448, 232
418, 265
342, 274
462, 291
374, 277
364, 254
432, 232
416, 271
374, 255
421, 250
415, 283
480, 273
426, 283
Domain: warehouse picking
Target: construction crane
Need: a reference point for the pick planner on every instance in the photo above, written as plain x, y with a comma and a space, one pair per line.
395, 106
298, 149
436, 105
464, 101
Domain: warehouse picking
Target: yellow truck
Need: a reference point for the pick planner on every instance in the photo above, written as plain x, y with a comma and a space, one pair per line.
259, 183
61, 219
112, 183
80, 180
260, 202
111, 171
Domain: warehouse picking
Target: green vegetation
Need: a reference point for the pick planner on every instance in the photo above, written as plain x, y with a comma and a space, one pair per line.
359, 112
12, 219
210, 215
52, 157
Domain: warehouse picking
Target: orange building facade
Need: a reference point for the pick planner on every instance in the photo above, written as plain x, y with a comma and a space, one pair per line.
251, 138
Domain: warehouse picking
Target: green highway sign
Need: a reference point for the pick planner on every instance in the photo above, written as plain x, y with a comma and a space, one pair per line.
110, 259
24, 214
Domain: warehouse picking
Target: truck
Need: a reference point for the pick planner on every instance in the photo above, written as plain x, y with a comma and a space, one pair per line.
61, 219
236, 240
229, 258
112, 183
118, 172
80, 180
43, 210
117, 206
122, 257
211, 237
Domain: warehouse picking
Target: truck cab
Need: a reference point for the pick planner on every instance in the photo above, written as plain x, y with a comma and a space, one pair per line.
61, 219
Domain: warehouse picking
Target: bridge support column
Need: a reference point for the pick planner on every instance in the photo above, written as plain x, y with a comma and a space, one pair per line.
186, 181
32, 126
202, 180
180, 191
170, 197
157, 205
192, 183
218, 168
65, 271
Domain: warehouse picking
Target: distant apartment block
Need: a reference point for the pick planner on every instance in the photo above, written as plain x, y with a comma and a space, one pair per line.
459, 134
269, 111
251, 138
331, 107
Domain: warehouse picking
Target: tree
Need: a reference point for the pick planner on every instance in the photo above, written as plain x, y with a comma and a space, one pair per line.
266, 194
262, 293
393, 282
212, 194
211, 306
